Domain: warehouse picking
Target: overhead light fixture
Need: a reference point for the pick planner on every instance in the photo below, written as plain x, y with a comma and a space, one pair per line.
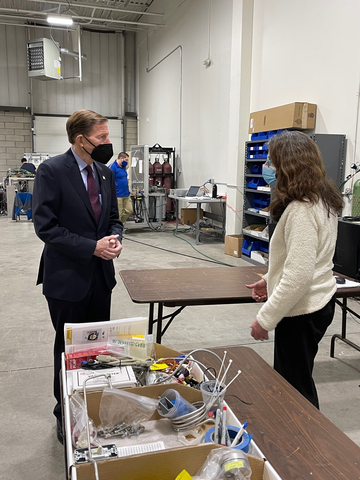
60, 20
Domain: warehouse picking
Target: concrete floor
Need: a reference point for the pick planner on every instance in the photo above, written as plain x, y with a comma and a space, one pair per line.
28, 445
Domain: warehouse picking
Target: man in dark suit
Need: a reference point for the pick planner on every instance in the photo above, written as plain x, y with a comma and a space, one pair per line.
75, 214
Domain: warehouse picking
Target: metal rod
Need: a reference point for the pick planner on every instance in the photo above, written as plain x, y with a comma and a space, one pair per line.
108, 377
80, 56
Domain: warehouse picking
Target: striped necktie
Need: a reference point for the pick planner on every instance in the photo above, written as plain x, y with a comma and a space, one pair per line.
93, 193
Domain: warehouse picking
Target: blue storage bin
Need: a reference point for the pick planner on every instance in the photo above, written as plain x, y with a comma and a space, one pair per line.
259, 136
249, 245
261, 154
256, 168
261, 201
256, 182
264, 247
264, 147
272, 133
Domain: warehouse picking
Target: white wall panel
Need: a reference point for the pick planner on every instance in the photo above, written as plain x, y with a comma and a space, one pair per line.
205, 91
51, 137
13, 67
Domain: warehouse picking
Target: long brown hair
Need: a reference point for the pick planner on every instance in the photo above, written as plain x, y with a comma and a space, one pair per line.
300, 174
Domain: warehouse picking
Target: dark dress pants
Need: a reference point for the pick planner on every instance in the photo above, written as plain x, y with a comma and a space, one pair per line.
296, 345
95, 307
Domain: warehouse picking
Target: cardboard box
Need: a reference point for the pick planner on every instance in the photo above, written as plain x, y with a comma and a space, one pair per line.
188, 215
233, 244
299, 115
165, 465
161, 465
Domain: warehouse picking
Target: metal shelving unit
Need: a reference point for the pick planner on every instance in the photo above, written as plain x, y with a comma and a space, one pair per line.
333, 151
254, 199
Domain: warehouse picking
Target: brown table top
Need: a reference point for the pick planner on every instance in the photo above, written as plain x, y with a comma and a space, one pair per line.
296, 438
199, 286
192, 286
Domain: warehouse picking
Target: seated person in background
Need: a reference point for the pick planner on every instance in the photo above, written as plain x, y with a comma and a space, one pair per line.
30, 167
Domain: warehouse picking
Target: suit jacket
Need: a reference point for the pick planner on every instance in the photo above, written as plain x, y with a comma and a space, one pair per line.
64, 220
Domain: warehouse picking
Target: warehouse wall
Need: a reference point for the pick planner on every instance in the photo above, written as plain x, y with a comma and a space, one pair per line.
203, 100
182, 89
306, 51
301, 51
99, 90
15, 139
298, 51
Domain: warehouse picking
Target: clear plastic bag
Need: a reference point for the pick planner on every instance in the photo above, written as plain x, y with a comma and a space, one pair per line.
78, 419
225, 463
120, 407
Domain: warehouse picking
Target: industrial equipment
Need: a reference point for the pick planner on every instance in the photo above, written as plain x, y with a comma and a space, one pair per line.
44, 61
152, 177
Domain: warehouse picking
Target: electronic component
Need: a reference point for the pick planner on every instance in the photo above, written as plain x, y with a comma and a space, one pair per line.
123, 377
81, 455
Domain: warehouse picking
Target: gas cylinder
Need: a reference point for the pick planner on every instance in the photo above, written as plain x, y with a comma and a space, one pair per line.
355, 212
158, 171
151, 173
167, 170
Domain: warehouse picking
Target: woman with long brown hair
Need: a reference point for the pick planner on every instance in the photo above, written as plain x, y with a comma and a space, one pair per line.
299, 287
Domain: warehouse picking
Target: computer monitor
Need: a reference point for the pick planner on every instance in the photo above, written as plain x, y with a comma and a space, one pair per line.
347, 252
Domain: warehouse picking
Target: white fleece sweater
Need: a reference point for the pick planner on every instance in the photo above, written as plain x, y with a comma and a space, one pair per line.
300, 278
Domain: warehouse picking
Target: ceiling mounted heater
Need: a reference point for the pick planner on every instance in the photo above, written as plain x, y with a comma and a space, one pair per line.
44, 61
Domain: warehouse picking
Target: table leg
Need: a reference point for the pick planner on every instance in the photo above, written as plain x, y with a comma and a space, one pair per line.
151, 319
342, 337
197, 230
177, 215
224, 221
159, 323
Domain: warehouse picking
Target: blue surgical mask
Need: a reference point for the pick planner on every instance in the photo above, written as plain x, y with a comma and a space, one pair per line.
269, 174
124, 164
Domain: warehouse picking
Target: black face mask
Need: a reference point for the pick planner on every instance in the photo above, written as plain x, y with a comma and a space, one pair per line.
101, 153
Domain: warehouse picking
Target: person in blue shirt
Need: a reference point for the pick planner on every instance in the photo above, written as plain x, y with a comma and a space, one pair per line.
119, 167
30, 167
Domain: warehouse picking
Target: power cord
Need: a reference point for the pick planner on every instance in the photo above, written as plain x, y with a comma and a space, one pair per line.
211, 259
176, 253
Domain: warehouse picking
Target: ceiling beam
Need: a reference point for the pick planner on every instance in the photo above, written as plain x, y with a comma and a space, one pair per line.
98, 7
28, 14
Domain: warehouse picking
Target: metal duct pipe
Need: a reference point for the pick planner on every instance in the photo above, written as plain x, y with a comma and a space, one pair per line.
66, 51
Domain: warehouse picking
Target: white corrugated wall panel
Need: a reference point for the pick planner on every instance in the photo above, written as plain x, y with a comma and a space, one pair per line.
51, 137
100, 89
13, 67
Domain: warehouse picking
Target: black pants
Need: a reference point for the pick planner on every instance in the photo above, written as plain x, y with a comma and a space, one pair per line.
95, 307
296, 345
